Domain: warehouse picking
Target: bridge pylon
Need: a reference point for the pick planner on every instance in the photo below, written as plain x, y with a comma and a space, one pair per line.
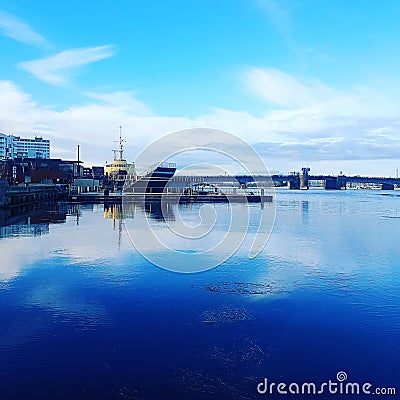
304, 178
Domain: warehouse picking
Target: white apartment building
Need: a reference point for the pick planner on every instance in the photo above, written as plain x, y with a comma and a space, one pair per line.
7, 149
14, 147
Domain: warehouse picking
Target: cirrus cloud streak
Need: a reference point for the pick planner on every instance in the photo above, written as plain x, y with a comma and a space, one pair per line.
16, 29
56, 68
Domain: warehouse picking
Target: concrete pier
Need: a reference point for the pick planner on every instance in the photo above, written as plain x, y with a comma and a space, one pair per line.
335, 183
304, 178
294, 184
387, 186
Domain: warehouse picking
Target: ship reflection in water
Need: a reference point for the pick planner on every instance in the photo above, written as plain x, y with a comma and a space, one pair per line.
153, 209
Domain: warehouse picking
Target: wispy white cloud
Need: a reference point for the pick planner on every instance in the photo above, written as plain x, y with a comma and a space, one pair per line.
56, 68
287, 96
125, 101
18, 111
16, 29
277, 14
283, 90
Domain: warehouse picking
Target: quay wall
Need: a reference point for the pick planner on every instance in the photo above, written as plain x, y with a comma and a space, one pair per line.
11, 196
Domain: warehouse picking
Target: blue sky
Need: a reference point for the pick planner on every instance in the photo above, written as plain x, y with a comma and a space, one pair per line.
305, 81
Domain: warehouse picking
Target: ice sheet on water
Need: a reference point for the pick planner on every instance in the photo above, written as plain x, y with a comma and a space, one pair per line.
246, 288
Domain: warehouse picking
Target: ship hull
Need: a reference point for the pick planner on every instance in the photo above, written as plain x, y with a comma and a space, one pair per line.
154, 183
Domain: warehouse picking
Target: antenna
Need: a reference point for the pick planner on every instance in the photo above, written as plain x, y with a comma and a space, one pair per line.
121, 146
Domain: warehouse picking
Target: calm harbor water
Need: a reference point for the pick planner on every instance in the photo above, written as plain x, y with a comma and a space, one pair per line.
85, 316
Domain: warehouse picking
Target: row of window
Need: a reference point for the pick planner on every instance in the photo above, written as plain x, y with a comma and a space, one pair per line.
13, 146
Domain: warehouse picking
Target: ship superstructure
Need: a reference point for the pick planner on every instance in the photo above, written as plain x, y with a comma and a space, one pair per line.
119, 171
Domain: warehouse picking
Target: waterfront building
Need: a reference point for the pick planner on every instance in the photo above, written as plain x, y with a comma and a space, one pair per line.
12, 147
7, 148
93, 173
85, 185
32, 148
38, 170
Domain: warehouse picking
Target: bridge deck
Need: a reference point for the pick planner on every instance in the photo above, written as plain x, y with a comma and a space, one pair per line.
191, 179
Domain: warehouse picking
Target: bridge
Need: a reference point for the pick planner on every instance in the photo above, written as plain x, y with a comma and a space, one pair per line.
294, 180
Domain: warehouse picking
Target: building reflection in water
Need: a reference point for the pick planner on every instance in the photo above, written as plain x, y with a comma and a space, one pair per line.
32, 219
35, 219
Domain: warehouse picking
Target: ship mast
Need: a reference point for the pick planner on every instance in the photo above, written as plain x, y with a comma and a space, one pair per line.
121, 146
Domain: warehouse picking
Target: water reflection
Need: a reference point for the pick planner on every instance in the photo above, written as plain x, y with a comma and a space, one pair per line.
160, 211
85, 308
35, 219
84, 238
31, 236
31, 220
156, 210
304, 207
